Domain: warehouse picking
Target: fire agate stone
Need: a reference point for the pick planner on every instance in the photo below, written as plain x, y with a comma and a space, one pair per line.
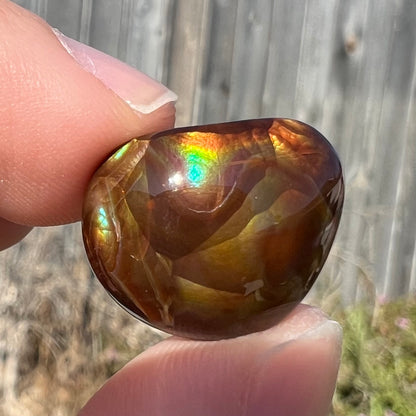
214, 231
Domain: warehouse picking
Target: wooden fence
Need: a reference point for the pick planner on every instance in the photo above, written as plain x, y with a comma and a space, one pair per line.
346, 67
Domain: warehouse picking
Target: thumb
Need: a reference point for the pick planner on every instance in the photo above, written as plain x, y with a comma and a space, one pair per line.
63, 108
287, 370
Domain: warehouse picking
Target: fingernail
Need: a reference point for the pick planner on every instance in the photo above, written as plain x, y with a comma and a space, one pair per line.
327, 330
142, 93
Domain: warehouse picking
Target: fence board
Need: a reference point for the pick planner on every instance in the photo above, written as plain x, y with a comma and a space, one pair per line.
348, 68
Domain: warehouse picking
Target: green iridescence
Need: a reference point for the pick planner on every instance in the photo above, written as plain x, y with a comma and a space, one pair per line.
120, 153
103, 219
199, 162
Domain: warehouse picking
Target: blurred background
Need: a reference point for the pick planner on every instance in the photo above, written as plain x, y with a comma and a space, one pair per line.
346, 67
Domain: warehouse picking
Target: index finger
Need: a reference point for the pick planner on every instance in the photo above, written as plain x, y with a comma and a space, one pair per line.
61, 116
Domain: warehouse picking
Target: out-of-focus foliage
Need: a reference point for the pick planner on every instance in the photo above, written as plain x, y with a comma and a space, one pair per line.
378, 369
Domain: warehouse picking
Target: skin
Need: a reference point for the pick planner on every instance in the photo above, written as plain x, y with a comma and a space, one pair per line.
59, 122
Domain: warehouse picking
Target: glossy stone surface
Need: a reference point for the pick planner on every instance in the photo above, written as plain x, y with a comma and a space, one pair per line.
214, 231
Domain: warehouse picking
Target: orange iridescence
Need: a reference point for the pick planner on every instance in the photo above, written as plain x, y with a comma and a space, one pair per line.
214, 231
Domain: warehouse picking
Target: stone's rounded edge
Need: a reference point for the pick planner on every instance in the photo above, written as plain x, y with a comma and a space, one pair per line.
226, 127
264, 319
261, 322
332, 168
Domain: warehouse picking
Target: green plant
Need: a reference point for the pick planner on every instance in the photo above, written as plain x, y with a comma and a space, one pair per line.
378, 369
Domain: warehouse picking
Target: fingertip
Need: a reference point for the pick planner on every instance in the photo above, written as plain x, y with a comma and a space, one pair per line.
305, 369
287, 370
59, 121
142, 93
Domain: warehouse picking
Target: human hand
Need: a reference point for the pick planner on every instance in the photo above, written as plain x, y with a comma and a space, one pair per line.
59, 122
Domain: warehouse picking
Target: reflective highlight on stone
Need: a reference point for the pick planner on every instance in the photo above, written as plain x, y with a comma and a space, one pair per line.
214, 231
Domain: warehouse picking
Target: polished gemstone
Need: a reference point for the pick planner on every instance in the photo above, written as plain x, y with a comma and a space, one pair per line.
214, 231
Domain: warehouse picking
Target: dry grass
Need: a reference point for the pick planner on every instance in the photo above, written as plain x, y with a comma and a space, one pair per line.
61, 334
